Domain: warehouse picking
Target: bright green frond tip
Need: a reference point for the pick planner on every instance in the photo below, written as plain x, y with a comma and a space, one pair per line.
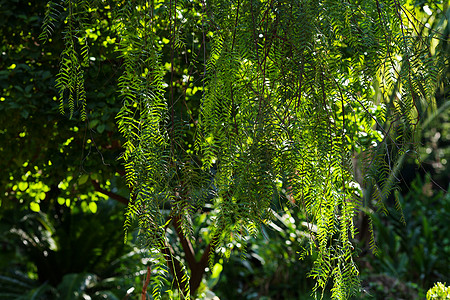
439, 292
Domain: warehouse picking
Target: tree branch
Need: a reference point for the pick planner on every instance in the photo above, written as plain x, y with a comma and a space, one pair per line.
197, 267
110, 194
185, 243
147, 281
174, 265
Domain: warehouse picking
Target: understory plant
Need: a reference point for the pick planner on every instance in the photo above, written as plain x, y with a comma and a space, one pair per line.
68, 253
413, 245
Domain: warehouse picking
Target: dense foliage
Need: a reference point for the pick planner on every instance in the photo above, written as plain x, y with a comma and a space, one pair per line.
231, 110
282, 107
44, 153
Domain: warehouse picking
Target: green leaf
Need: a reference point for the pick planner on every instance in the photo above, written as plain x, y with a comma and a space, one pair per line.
28, 89
35, 206
24, 113
37, 293
93, 123
217, 269
83, 179
23, 186
93, 207
73, 286
101, 128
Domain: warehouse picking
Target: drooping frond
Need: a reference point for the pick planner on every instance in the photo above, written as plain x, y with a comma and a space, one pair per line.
292, 92
51, 16
289, 86
70, 78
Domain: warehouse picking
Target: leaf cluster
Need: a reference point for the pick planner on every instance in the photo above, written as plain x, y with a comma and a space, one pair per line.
288, 89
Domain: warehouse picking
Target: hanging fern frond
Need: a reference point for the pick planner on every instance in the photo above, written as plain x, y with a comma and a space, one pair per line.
52, 13
293, 91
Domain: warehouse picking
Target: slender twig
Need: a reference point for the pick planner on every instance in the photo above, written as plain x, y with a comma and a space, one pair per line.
147, 281
112, 195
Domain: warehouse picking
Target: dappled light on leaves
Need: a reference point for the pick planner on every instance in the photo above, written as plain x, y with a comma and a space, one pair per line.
292, 94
